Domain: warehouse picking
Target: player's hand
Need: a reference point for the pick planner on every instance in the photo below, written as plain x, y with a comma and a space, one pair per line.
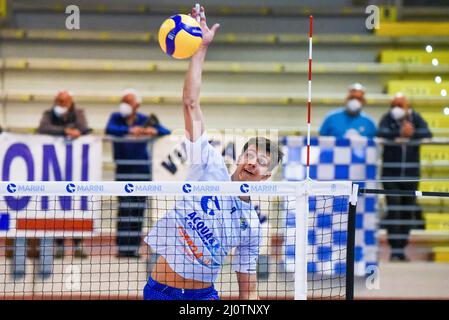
208, 34
72, 133
136, 131
407, 129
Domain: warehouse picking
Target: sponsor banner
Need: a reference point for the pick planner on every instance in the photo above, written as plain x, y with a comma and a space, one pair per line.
24, 209
184, 188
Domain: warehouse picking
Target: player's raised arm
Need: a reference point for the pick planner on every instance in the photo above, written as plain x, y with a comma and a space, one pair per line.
193, 116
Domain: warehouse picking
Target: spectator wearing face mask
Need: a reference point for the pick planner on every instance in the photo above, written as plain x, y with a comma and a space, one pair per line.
128, 123
64, 119
401, 162
350, 121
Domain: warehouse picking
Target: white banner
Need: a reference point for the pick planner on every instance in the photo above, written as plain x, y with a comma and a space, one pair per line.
170, 160
26, 157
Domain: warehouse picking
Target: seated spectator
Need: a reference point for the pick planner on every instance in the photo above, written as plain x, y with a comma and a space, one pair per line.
401, 162
64, 119
127, 122
350, 121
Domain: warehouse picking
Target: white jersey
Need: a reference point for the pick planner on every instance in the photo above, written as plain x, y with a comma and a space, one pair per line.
200, 231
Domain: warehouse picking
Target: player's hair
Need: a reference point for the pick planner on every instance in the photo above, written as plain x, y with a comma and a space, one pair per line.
268, 146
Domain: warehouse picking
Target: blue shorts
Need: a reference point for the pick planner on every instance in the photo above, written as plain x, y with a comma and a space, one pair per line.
157, 291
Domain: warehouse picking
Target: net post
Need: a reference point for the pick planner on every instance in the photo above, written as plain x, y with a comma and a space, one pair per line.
350, 245
301, 220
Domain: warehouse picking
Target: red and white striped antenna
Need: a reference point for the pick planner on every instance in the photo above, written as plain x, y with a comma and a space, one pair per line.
309, 97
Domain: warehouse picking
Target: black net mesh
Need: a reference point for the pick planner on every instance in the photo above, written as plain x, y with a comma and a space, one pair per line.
95, 247
327, 239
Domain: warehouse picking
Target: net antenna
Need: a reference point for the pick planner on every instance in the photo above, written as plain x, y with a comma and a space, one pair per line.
309, 97
302, 203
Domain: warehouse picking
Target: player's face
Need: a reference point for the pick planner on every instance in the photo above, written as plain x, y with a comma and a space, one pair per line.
253, 165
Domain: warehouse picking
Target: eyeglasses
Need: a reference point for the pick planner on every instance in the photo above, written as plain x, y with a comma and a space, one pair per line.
261, 159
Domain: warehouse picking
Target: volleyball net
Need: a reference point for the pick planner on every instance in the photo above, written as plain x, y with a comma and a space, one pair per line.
206, 231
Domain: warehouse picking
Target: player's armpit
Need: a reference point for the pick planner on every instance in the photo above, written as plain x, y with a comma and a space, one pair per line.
247, 286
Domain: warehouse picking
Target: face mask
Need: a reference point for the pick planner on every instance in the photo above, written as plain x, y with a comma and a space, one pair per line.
125, 109
397, 113
353, 106
59, 111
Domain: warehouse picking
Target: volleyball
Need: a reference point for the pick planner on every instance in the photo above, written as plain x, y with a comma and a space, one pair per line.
180, 36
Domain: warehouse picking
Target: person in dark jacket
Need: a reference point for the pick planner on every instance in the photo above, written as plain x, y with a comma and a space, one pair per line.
64, 119
401, 162
128, 123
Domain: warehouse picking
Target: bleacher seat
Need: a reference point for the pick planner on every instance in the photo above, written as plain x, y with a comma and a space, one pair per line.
417, 87
437, 221
437, 121
413, 28
433, 186
441, 254
413, 56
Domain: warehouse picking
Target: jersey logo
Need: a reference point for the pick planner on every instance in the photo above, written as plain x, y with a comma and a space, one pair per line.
243, 224
189, 242
197, 224
210, 205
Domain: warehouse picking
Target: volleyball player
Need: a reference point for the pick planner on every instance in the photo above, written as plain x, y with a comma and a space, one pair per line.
194, 238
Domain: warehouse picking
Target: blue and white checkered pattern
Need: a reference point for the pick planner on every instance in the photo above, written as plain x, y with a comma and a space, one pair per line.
334, 159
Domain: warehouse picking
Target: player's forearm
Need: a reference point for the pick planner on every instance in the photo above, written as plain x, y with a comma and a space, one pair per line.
192, 83
247, 286
247, 295
191, 95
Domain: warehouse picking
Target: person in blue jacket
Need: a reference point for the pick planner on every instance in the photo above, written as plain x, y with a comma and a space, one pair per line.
350, 121
132, 159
